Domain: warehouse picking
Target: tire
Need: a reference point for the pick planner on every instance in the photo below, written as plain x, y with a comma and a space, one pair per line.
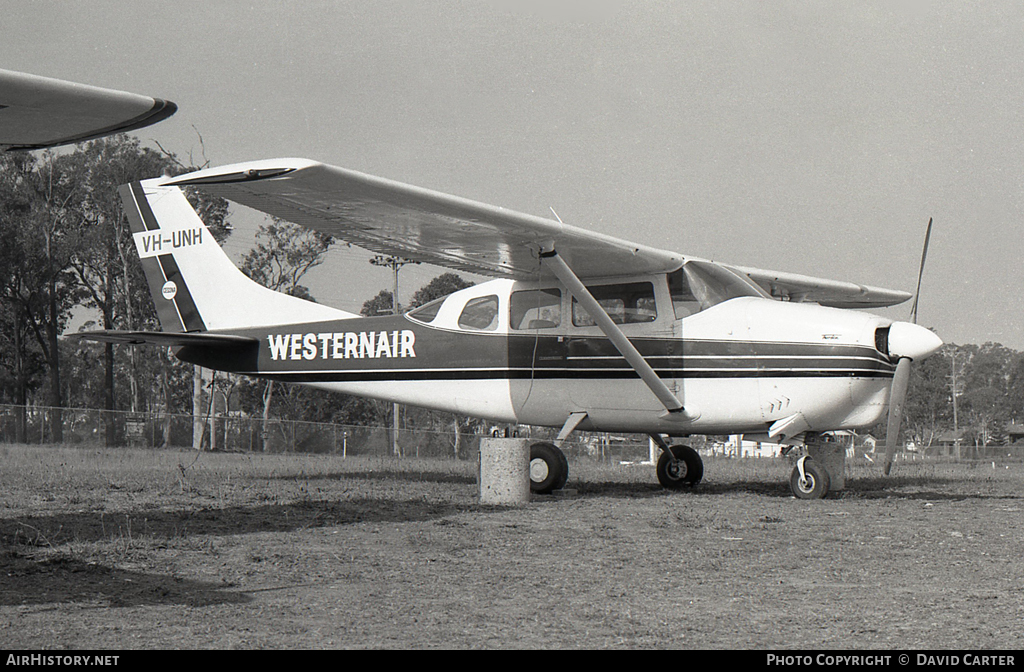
685, 471
815, 485
549, 470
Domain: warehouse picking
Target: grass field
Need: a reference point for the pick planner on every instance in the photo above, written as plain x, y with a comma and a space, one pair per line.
132, 549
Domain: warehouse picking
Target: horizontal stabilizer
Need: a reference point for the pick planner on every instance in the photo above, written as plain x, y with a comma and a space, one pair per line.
164, 338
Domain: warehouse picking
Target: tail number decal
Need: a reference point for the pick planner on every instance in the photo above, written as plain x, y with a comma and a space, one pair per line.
153, 243
342, 345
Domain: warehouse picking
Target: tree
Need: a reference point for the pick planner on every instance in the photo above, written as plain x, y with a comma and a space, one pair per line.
442, 285
36, 282
283, 254
928, 407
105, 261
1015, 388
985, 397
378, 305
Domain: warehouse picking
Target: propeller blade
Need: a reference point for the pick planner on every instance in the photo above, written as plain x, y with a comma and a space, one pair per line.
906, 342
920, 272
897, 397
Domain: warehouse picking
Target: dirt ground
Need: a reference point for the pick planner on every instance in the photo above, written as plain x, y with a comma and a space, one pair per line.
131, 549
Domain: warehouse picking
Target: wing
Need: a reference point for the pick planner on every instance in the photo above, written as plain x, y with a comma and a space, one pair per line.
423, 225
38, 112
419, 224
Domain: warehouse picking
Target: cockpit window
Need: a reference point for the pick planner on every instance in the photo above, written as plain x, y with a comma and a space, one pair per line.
699, 285
480, 314
428, 311
536, 309
627, 303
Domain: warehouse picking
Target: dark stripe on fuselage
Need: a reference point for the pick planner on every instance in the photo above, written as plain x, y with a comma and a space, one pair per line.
512, 374
314, 353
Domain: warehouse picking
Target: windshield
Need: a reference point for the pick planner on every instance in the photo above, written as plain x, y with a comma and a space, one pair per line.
699, 285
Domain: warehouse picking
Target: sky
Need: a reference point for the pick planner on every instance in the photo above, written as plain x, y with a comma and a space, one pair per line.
799, 136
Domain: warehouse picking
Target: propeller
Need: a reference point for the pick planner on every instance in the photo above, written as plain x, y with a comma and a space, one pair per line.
906, 341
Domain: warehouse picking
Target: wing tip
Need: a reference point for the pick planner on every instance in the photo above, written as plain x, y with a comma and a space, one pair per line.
249, 171
161, 109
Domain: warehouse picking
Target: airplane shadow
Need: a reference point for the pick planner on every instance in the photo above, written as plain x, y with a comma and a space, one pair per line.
647, 490
914, 488
385, 475
899, 487
91, 526
26, 581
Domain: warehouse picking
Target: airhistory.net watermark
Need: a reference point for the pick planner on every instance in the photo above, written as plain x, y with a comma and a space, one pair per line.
58, 660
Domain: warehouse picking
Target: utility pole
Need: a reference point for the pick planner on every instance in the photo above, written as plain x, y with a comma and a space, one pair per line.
395, 264
956, 424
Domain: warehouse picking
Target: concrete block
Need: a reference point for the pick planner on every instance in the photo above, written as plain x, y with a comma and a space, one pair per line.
831, 456
504, 471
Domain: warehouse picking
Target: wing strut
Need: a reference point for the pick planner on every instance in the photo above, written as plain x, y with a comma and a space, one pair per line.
572, 283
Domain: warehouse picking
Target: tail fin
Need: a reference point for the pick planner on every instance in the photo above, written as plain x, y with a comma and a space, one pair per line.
194, 284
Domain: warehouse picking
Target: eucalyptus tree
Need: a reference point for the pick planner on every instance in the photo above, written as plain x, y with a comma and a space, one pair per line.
283, 254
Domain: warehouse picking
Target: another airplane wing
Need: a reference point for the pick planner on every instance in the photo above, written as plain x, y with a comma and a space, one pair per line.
38, 112
423, 225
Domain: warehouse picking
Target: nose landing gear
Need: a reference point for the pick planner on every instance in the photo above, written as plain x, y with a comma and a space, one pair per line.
808, 480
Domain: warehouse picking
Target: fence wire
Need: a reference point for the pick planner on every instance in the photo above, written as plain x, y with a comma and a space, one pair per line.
240, 433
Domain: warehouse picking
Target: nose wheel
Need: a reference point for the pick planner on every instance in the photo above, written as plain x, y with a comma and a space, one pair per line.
809, 480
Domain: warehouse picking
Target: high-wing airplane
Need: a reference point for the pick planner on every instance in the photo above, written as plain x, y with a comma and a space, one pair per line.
39, 112
577, 330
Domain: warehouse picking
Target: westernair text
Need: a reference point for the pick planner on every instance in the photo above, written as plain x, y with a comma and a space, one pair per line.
342, 345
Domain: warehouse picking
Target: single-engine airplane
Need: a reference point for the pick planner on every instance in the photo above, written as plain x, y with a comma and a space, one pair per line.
38, 112
577, 330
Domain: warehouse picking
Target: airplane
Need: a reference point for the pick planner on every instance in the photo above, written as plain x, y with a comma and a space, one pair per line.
40, 112
577, 330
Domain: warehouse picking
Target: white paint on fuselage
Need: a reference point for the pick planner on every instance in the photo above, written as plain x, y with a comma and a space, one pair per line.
721, 405
487, 399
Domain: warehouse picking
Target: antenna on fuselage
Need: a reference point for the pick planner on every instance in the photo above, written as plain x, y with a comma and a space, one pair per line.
556, 215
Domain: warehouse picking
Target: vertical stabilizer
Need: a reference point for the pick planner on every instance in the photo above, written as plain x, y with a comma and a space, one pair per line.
195, 286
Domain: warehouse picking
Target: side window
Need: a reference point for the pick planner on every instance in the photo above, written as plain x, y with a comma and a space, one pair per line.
536, 309
628, 303
683, 301
480, 314
428, 311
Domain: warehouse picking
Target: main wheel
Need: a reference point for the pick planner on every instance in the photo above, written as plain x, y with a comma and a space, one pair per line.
814, 484
549, 470
683, 472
